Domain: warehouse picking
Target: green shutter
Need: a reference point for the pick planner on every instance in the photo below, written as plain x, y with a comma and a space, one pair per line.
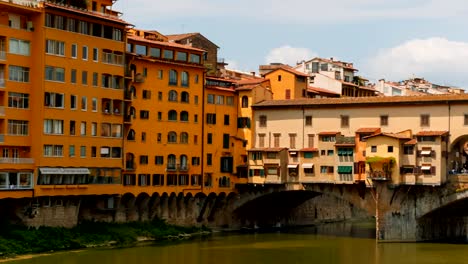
262, 172
350, 152
250, 172
345, 169
248, 122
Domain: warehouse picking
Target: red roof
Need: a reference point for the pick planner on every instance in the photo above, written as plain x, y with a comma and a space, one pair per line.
321, 90
288, 69
309, 150
432, 133
368, 130
411, 142
267, 149
326, 133
391, 135
168, 44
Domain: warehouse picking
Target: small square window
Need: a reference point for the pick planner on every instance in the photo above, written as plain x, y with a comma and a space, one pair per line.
384, 120
373, 149
390, 149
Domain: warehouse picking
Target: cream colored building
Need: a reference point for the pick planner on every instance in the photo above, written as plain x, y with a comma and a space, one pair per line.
435, 126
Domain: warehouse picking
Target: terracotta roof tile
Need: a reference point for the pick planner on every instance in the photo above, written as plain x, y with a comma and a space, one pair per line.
411, 142
432, 133
87, 12
288, 69
267, 149
309, 150
392, 135
328, 133
368, 130
161, 43
321, 90
356, 101
177, 37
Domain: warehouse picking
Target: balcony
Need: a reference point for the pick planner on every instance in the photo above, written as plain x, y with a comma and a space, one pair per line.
139, 78
2, 138
379, 175
111, 58
2, 55
130, 165
16, 161
171, 167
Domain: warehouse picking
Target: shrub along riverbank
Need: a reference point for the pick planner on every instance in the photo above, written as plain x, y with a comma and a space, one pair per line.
18, 240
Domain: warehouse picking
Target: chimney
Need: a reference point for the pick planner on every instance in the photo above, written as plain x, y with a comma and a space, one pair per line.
331, 58
253, 74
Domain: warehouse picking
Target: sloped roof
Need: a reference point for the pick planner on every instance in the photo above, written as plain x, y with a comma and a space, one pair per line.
179, 37
167, 44
288, 69
432, 133
368, 130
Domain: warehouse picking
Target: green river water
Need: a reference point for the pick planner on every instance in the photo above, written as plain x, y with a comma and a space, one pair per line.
329, 244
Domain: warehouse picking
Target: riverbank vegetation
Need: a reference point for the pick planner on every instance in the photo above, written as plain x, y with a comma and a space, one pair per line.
18, 240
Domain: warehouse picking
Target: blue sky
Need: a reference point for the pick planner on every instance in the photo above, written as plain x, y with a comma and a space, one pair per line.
391, 39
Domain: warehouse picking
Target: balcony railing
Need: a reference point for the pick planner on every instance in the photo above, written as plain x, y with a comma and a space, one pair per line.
379, 175
171, 167
16, 161
139, 78
112, 58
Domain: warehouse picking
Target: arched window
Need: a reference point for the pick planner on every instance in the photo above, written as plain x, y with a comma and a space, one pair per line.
184, 97
172, 137
184, 116
245, 101
172, 96
183, 161
184, 79
131, 135
172, 115
133, 91
184, 138
132, 112
172, 77
171, 161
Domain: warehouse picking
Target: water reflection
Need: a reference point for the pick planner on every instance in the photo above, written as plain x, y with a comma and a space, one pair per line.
335, 243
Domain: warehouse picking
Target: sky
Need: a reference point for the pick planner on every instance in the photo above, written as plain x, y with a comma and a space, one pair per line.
385, 39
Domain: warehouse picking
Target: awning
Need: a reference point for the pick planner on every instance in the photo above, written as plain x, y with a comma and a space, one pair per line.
426, 152
292, 153
345, 169
426, 168
64, 170
307, 165
292, 166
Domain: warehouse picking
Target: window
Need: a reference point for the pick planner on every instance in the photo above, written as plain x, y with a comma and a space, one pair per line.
292, 141
84, 54
172, 77
344, 121
261, 140
209, 138
54, 100
226, 164
195, 118
159, 138
243, 122
18, 73
184, 97
389, 149
54, 74
276, 140
143, 159
18, 100
84, 103
211, 118
72, 127
144, 114
195, 99
83, 151
384, 120
95, 79
195, 161
308, 120
425, 120
373, 149
209, 159
310, 138
73, 76
245, 101
83, 128
74, 51
95, 54
226, 120
55, 47
230, 100
194, 58
71, 150
263, 121
184, 116
106, 130
168, 54
18, 127
84, 77
93, 152
256, 155
288, 94
93, 129
144, 180
172, 96
146, 94
181, 56
172, 115
465, 122
279, 78
72, 101
330, 152
53, 150
408, 150
184, 80
140, 49
160, 74
159, 160
18, 46
53, 126
308, 155
94, 105
225, 141
210, 99
172, 137
155, 52
220, 99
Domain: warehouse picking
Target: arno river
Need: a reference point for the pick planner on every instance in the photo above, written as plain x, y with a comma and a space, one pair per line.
329, 244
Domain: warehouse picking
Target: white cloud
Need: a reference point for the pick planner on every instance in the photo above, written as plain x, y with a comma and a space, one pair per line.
436, 59
280, 11
289, 55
